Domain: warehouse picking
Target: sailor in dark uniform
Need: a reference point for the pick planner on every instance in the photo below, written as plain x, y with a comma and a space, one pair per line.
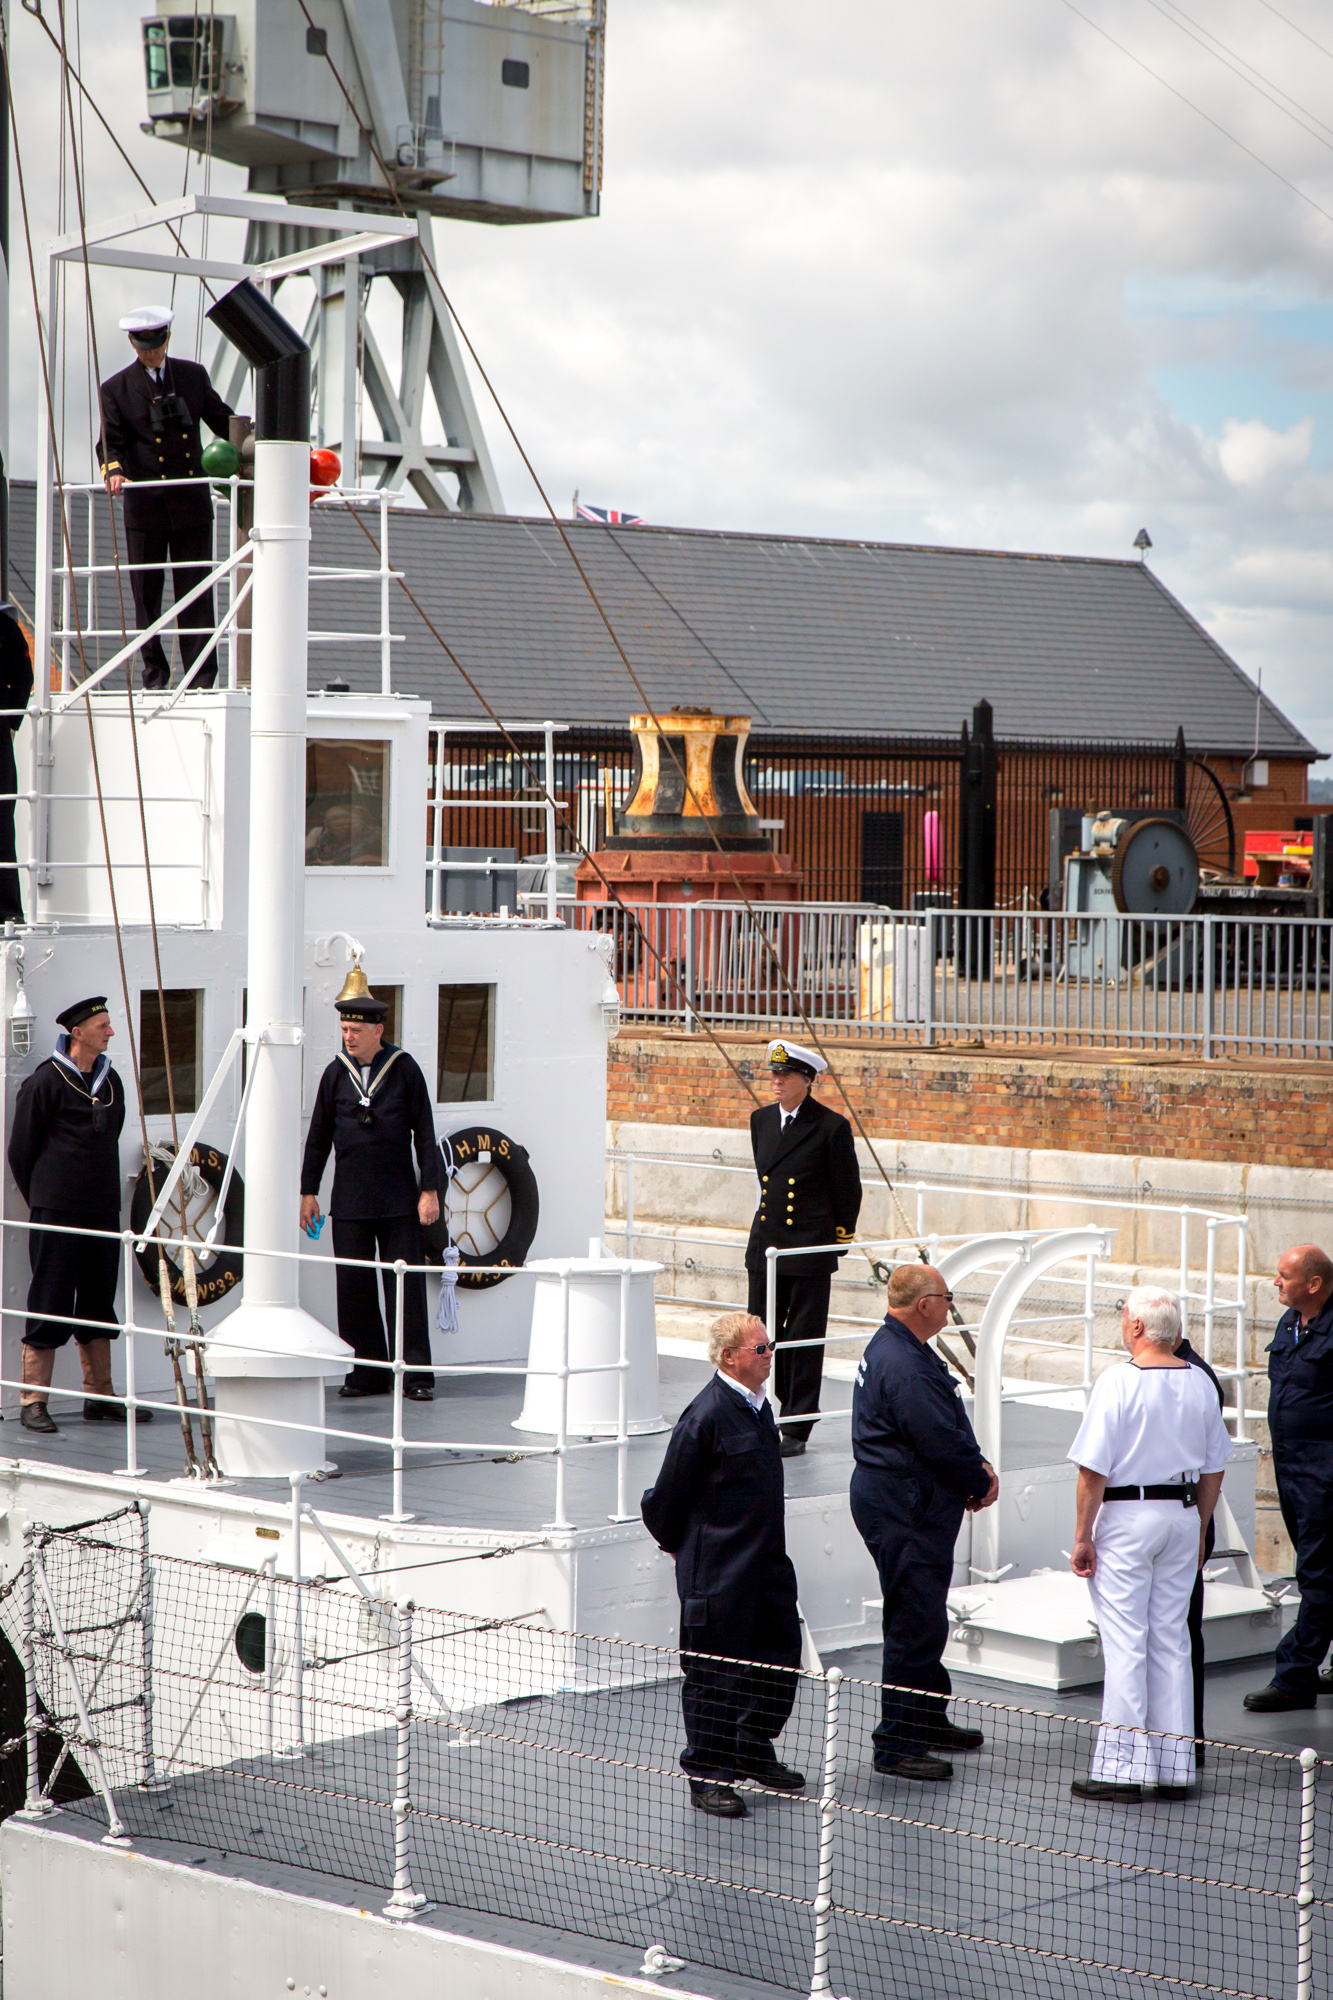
151, 414
809, 1192
1300, 1423
64, 1152
15, 689
717, 1508
373, 1109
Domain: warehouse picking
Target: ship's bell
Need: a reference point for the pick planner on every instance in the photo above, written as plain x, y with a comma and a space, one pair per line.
355, 987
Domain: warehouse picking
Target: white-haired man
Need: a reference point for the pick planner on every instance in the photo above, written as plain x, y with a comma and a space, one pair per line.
1151, 1452
717, 1509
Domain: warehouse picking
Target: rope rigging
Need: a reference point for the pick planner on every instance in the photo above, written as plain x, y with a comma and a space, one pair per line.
72, 79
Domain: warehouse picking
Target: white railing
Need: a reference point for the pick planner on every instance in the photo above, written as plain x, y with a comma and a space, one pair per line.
98, 589
1213, 1303
1203, 985
1208, 1304
397, 1446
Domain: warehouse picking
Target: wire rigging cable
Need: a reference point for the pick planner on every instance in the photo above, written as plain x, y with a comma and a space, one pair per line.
1236, 63
765, 942
1198, 110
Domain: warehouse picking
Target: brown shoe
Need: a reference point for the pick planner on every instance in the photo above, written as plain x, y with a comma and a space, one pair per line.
36, 1417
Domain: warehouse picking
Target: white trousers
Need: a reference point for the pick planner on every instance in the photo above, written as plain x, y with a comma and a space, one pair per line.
1147, 1560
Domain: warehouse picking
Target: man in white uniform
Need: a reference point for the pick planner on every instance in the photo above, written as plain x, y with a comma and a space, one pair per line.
1150, 1452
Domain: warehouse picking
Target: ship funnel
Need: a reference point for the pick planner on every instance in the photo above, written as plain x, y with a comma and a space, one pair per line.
279, 356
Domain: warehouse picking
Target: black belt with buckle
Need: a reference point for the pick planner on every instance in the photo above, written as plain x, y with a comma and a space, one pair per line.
1187, 1494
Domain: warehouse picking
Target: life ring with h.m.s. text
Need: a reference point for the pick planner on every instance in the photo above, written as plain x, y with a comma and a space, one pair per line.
489, 1204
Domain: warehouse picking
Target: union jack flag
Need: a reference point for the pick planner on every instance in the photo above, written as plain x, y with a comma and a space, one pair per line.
609, 517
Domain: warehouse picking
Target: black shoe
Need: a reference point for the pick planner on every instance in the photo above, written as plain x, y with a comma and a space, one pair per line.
792, 1447
420, 1392
918, 1765
36, 1417
97, 1412
948, 1736
773, 1777
719, 1800
1174, 1791
1275, 1700
1100, 1788
353, 1389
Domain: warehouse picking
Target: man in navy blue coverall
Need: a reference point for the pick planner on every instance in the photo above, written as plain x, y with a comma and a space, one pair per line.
1300, 1421
717, 1509
918, 1468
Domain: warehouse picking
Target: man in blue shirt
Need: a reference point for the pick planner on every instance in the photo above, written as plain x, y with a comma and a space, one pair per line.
1300, 1421
918, 1469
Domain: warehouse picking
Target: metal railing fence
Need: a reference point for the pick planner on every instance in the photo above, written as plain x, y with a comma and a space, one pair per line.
1206, 986
499, 1766
1213, 1307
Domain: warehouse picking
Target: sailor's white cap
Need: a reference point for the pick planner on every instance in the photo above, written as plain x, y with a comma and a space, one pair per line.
786, 1055
147, 319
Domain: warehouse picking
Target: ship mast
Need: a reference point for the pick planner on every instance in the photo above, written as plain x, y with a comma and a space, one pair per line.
269, 1357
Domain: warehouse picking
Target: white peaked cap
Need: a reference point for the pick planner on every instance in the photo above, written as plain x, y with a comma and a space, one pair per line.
147, 319
783, 1052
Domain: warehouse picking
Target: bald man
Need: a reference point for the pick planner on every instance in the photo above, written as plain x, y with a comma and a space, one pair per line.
1300, 1420
918, 1468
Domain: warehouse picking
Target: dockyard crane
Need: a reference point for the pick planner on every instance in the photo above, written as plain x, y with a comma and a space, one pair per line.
487, 110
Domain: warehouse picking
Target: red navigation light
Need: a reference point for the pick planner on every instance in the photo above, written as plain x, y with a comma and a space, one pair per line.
325, 469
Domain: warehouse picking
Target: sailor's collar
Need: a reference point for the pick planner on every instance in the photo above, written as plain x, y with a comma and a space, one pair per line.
67, 1066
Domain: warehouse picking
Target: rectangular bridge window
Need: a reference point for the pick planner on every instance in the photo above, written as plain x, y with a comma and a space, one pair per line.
516, 74
346, 804
465, 1065
184, 1009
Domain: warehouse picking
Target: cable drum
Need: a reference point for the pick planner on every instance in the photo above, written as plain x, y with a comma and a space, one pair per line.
490, 1205
218, 1270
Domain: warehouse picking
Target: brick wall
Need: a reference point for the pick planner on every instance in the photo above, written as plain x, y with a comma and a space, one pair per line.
1275, 1114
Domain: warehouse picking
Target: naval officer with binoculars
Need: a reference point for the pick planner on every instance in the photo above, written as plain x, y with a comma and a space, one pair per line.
151, 414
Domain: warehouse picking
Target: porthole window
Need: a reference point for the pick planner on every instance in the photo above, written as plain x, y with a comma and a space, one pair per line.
252, 1642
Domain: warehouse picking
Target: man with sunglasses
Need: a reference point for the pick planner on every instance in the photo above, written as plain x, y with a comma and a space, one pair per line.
918, 1469
64, 1153
717, 1510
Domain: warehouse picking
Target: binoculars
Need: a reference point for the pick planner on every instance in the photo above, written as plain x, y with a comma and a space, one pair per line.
166, 410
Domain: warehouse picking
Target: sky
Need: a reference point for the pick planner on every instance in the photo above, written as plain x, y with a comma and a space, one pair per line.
1031, 276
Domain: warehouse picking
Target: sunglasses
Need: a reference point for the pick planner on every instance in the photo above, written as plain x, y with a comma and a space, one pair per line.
761, 1347
946, 1296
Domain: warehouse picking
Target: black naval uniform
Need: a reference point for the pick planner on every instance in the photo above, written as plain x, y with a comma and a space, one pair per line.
374, 1201
174, 525
64, 1152
1195, 1618
717, 1508
15, 689
810, 1192
917, 1464
1300, 1420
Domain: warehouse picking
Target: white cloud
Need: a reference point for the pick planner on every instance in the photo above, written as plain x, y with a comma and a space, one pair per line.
1254, 455
865, 271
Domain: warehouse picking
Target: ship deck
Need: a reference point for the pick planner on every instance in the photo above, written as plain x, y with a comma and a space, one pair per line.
1002, 1852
